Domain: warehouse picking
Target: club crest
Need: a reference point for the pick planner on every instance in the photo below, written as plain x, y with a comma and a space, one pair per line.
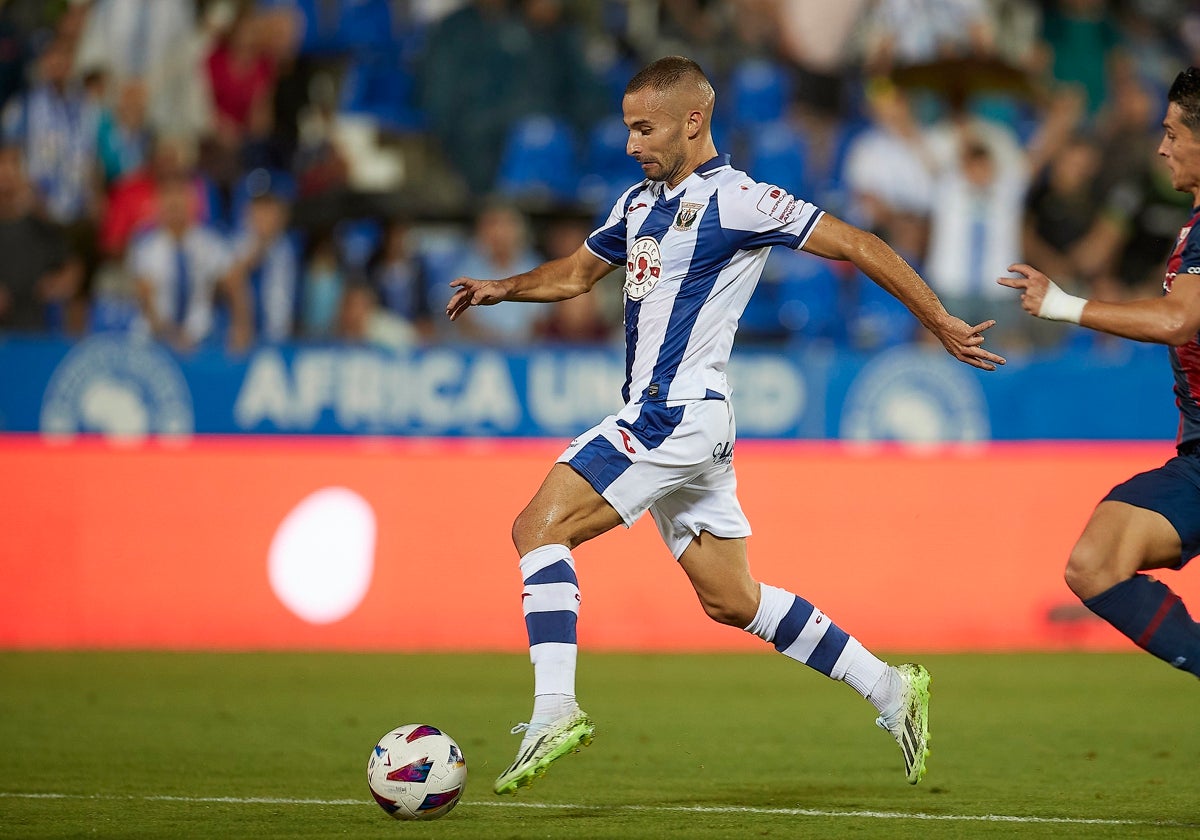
686, 217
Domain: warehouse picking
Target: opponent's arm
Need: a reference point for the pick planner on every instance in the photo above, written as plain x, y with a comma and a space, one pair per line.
1172, 319
559, 279
836, 240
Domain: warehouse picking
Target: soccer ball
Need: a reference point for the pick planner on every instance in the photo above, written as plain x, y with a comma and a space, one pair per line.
416, 772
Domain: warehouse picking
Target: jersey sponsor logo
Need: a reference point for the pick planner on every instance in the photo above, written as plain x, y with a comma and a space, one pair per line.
119, 387
686, 217
777, 204
627, 440
643, 269
723, 452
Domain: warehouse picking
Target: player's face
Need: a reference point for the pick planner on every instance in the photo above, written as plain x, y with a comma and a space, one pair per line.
1181, 148
657, 138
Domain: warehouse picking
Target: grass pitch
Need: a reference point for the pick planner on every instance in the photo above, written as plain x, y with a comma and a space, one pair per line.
149, 745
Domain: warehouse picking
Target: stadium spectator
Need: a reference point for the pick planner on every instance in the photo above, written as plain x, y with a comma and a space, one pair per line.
55, 124
242, 78
500, 246
180, 267
124, 140
266, 266
321, 286
361, 320
584, 319
39, 277
158, 41
888, 172
981, 180
399, 279
1151, 521
900, 33
693, 239
1070, 227
1084, 44
133, 199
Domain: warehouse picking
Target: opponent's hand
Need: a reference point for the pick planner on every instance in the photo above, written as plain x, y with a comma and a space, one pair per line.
965, 343
1032, 284
473, 292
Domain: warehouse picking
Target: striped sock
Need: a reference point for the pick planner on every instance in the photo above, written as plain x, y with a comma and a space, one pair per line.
550, 601
1147, 611
804, 633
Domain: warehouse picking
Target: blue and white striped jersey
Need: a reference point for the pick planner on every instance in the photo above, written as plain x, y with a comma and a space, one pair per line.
693, 256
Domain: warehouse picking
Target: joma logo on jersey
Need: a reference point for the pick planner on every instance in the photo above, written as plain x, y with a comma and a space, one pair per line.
643, 269
686, 217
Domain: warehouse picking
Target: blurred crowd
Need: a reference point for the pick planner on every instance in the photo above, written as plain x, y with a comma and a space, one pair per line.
223, 174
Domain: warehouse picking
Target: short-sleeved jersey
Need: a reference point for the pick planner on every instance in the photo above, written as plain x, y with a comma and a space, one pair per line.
1185, 359
693, 256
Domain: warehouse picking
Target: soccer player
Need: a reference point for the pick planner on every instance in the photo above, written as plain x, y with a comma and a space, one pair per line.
693, 237
1151, 521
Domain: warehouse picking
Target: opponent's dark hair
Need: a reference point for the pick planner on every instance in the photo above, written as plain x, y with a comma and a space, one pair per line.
1185, 92
668, 73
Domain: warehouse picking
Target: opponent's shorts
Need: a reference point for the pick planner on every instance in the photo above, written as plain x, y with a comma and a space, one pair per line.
1172, 490
673, 459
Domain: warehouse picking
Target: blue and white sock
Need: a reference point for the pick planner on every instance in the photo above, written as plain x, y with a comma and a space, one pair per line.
804, 633
1147, 611
550, 601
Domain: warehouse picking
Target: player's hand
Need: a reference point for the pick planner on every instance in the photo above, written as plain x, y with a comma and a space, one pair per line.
965, 343
473, 292
1032, 284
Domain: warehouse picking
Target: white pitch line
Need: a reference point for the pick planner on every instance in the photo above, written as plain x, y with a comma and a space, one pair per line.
678, 809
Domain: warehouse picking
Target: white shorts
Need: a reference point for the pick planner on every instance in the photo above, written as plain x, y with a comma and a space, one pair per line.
673, 459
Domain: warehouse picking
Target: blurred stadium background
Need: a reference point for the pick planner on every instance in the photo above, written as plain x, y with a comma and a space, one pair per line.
229, 229
231, 418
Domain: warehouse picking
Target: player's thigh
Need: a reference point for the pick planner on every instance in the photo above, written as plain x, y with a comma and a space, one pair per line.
565, 510
1125, 539
1151, 521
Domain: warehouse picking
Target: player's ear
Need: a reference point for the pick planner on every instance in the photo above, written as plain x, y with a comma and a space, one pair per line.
695, 124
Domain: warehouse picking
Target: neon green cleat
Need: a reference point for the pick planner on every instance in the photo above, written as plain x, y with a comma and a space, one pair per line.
542, 748
910, 727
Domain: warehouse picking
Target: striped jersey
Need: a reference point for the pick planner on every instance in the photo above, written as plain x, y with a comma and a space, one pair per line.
693, 256
1185, 359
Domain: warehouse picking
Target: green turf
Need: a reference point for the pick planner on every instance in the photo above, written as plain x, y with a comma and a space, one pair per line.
682, 742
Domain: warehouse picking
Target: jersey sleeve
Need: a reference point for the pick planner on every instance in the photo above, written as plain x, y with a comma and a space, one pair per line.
1190, 256
761, 215
608, 241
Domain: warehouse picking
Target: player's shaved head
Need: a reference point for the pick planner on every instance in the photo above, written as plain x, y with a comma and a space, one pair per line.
1185, 92
675, 75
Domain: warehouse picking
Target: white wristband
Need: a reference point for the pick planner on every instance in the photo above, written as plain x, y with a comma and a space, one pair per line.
1057, 305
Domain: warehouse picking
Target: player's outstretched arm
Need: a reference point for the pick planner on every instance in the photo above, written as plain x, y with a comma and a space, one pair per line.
554, 280
1170, 319
834, 239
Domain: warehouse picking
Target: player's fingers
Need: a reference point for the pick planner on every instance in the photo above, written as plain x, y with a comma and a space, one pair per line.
1013, 282
985, 325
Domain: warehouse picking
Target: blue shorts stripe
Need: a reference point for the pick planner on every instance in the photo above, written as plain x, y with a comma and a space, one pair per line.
553, 626
825, 654
600, 463
792, 623
560, 572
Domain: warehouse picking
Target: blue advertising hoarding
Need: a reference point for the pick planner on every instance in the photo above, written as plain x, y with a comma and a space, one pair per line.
125, 387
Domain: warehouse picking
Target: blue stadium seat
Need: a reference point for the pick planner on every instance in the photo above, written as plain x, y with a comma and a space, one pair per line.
357, 240
344, 26
877, 320
760, 90
539, 160
382, 85
778, 154
606, 169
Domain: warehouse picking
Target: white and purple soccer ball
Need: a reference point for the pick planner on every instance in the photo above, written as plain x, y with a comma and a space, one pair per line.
417, 772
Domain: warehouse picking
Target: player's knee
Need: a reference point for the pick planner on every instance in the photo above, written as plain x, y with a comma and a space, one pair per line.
728, 611
1088, 573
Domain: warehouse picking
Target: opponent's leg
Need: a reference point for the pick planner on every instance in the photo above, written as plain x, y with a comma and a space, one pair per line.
720, 573
1119, 542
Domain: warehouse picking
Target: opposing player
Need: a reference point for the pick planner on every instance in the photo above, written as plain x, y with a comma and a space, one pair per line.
693, 238
1151, 521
